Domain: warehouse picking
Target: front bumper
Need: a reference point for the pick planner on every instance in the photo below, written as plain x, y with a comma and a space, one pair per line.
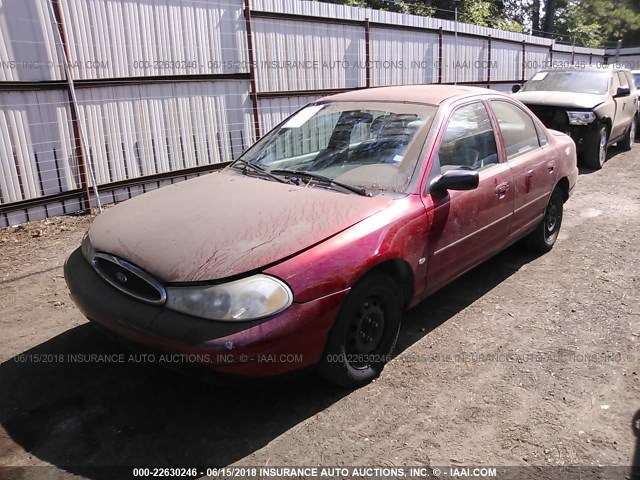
556, 119
583, 135
291, 340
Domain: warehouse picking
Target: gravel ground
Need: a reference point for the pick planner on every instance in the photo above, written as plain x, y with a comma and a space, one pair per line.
527, 360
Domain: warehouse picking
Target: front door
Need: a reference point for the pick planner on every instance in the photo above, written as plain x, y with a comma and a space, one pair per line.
468, 227
625, 106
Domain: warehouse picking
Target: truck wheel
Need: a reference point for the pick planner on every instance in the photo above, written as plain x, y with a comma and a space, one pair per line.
630, 138
596, 154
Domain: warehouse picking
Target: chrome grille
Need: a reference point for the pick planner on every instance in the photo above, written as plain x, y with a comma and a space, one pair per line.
129, 279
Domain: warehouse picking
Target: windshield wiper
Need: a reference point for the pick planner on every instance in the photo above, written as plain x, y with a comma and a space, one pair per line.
322, 179
258, 169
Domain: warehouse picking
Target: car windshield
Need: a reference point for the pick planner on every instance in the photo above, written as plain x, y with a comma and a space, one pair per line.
373, 146
578, 81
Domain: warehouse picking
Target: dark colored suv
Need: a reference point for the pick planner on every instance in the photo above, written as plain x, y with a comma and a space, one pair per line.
596, 106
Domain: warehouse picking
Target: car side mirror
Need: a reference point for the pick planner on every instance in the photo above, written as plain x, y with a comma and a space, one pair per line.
515, 89
456, 179
623, 91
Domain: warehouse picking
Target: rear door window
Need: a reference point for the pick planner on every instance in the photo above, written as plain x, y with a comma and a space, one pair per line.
518, 129
622, 78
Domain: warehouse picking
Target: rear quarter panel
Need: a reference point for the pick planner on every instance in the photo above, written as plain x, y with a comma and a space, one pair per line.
567, 159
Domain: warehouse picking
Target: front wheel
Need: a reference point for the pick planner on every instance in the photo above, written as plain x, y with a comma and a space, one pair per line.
364, 333
545, 235
596, 154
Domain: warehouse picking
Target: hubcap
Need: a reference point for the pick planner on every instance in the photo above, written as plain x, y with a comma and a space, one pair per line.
365, 332
603, 146
632, 133
551, 219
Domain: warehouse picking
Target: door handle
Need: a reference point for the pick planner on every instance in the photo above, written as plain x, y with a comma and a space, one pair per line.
501, 190
551, 166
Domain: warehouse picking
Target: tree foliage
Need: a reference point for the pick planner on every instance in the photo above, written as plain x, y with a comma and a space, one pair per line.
596, 22
583, 22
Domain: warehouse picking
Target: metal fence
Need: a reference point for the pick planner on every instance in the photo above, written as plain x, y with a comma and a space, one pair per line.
115, 97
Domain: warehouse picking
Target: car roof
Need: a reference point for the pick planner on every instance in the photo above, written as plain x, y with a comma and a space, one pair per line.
427, 94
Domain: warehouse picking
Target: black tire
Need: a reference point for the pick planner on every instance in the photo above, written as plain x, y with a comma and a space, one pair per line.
364, 333
545, 235
630, 137
596, 154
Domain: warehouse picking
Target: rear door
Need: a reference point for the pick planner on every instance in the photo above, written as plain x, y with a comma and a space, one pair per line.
468, 227
624, 106
532, 161
629, 102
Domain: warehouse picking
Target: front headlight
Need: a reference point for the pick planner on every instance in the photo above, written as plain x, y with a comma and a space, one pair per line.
247, 299
87, 249
581, 118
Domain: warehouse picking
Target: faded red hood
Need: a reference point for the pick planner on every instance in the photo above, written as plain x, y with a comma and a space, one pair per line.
224, 224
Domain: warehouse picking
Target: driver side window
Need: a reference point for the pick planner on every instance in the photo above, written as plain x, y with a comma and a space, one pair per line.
469, 141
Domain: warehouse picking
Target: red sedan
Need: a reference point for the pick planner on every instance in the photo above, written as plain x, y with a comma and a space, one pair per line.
306, 250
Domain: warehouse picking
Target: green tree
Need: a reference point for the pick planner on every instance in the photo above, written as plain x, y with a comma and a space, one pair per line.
595, 23
400, 6
489, 14
583, 22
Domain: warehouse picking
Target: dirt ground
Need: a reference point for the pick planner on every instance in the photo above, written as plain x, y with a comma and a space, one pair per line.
527, 360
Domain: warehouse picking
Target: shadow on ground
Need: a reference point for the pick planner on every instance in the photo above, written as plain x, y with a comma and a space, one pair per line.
612, 152
76, 415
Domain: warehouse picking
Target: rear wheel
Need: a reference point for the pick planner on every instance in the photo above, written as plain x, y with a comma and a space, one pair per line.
629, 139
545, 235
596, 154
364, 333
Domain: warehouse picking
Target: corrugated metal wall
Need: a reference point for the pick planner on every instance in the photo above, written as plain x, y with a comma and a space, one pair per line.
168, 86
124, 38
135, 131
307, 55
411, 57
628, 57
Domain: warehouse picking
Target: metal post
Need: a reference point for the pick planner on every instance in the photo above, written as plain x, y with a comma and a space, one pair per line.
618, 47
524, 62
252, 69
489, 62
455, 70
440, 55
56, 12
367, 52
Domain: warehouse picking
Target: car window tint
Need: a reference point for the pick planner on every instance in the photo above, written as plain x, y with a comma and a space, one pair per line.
517, 127
623, 79
469, 141
615, 83
299, 141
630, 80
576, 81
542, 135
373, 145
